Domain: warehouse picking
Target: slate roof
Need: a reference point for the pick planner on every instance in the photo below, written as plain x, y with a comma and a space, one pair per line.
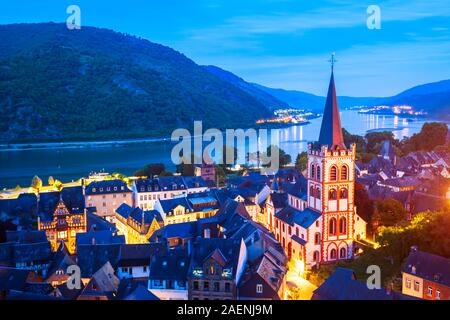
12, 253
69, 294
171, 266
91, 258
224, 251
185, 230
13, 279
428, 266
99, 237
331, 130
106, 282
169, 204
169, 183
343, 285
138, 254
134, 290
107, 187
26, 236
279, 200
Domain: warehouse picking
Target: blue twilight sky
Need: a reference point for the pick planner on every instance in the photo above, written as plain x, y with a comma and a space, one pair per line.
281, 43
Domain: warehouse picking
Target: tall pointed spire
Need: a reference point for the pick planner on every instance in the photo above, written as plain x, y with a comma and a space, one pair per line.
331, 130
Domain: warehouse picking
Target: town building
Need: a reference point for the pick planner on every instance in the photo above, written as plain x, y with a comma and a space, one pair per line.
168, 275
146, 192
187, 208
216, 267
63, 225
106, 196
342, 284
322, 229
426, 276
136, 224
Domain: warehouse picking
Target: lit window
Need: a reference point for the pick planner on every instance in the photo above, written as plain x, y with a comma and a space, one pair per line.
408, 283
438, 294
430, 291
416, 285
259, 288
333, 173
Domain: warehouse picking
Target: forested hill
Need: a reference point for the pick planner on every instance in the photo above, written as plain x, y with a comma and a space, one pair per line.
57, 84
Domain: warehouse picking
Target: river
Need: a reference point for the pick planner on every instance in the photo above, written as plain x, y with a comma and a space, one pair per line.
17, 167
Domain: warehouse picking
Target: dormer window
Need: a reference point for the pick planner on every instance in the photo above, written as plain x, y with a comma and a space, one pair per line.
259, 288
413, 269
94, 190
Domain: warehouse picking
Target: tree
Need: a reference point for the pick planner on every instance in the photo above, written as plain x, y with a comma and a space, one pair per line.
302, 161
36, 183
391, 211
186, 169
364, 204
151, 170
431, 135
376, 139
51, 181
283, 157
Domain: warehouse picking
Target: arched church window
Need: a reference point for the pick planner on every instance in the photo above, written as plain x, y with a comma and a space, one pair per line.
343, 193
332, 194
316, 256
343, 253
311, 191
332, 226
318, 193
333, 173
318, 173
344, 172
333, 254
313, 171
343, 225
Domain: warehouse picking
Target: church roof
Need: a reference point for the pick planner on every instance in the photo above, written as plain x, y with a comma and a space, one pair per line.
331, 130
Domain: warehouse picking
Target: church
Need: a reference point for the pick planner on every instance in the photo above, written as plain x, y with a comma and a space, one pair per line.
322, 225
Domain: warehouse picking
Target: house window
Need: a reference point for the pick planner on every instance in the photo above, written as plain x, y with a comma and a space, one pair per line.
343, 225
332, 226
430, 291
206, 286
195, 285
317, 238
216, 286
416, 285
227, 287
316, 256
438, 294
311, 191
343, 194
318, 193
259, 288
290, 230
408, 283
144, 268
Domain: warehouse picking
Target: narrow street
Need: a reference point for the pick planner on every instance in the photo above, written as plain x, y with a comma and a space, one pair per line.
298, 288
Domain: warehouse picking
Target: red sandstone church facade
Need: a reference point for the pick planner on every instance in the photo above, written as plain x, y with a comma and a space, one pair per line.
323, 228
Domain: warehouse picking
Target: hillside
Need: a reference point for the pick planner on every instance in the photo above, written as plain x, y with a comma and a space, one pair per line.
433, 98
263, 97
92, 83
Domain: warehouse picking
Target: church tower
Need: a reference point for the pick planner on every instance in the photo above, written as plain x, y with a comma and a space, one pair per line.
331, 181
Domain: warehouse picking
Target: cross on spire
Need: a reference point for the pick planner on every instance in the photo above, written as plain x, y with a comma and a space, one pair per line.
333, 61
